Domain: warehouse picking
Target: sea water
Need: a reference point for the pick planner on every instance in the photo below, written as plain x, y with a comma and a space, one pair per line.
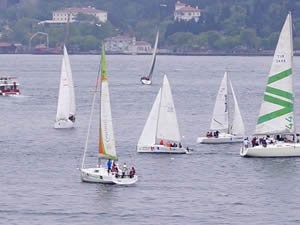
40, 182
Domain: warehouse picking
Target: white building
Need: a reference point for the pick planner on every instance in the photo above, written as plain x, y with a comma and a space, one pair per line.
186, 12
126, 44
61, 16
140, 47
118, 44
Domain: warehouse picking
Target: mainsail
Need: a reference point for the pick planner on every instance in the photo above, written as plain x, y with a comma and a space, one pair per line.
153, 57
107, 148
219, 119
237, 121
148, 135
63, 105
71, 84
277, 109
167, 125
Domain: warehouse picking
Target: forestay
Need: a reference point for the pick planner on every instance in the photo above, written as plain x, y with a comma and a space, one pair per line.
107, 148
148, 135
167, 125
237, 121
276, 112
219, 119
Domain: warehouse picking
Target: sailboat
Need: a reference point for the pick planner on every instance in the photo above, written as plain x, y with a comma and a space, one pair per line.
66, 106
161, 131
276, 120
107, 148
224, 133
147, 79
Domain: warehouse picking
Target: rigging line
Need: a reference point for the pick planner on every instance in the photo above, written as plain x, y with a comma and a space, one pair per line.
91, 117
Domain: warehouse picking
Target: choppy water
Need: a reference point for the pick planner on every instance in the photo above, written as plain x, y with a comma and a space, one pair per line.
38, 165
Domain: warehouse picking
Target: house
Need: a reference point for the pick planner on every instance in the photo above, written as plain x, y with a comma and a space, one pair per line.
139, 47
126, 45
61, 16
186, 12
118, 44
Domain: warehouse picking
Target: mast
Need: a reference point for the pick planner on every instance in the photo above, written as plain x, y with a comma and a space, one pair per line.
227, 103
158, 113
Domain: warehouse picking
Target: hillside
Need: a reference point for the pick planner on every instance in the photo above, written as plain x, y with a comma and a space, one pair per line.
230, 24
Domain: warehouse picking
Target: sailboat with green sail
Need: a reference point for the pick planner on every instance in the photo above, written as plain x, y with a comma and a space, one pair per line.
107, 147
276, 120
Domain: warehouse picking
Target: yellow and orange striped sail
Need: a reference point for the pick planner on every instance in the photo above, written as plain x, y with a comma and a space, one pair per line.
107, 147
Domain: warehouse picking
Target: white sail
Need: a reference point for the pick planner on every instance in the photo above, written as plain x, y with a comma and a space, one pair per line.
71, 84
237, 121
148, 135
167, 125
63, 105
276, 112
153, 57
219, 119
107, 148
107, 133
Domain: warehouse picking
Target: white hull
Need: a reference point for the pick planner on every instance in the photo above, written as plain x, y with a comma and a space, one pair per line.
272, 150
145, 81
100, 175
161, 149
63, 124
222, 139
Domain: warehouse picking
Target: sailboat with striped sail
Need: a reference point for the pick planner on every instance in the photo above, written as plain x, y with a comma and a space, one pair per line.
276, 121
66, 106
148, 79
107, 147
220, 120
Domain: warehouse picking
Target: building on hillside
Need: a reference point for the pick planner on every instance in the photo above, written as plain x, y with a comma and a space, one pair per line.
139, 47
126, 45
118, 44
6, 48
186, 12
61, 16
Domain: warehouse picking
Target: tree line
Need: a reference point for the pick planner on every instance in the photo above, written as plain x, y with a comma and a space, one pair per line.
223, 25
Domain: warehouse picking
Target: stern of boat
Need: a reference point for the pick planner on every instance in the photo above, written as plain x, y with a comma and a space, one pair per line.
63, 124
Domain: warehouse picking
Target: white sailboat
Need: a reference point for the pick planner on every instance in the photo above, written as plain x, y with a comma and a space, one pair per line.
220, 119
147, 79
107, 148
161, 129
66, 106
276, 121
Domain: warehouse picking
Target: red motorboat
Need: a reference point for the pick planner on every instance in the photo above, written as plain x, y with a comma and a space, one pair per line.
9, 86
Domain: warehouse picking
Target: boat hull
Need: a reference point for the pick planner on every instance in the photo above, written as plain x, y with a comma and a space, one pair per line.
63, 124
222, 139
272, 150
100, 175
146, 82
161, 149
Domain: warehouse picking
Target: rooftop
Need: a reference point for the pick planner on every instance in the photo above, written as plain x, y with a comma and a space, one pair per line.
188, 9
142, 43
80, 10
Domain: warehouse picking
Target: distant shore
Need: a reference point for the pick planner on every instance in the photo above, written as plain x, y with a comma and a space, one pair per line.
212, 53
